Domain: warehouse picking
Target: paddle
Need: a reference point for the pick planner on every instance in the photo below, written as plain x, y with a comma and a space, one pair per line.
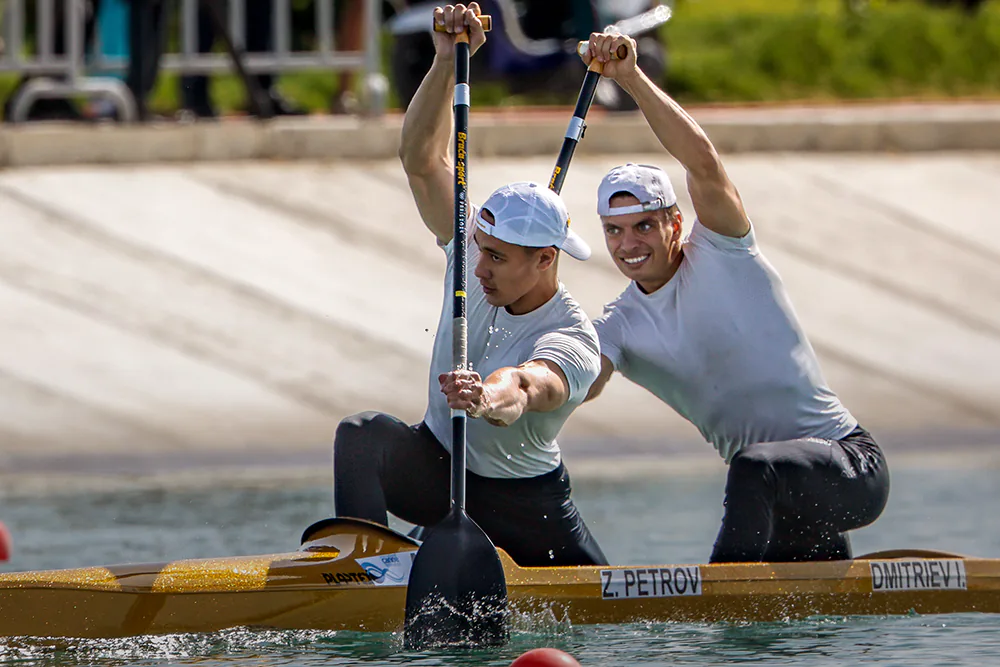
577, 124
457, 591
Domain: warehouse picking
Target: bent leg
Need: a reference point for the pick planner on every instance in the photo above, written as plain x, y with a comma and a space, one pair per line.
381, 464
751, 497
795, 500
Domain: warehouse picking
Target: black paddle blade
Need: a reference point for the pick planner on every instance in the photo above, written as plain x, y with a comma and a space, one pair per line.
457, 594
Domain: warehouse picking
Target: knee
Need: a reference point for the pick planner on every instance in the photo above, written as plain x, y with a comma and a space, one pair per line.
751, 461
354, 431
753, 467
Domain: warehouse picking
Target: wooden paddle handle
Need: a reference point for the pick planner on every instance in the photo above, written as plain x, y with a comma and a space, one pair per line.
620, 53
486, 19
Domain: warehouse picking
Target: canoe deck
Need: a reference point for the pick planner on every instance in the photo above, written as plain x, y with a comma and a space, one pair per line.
351, 575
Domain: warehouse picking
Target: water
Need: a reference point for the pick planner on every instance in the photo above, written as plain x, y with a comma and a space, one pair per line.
669, 519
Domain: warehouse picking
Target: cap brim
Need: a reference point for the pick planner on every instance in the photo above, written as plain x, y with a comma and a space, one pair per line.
575, 246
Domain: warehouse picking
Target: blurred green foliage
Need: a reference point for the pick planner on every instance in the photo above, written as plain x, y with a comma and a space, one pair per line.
822, 51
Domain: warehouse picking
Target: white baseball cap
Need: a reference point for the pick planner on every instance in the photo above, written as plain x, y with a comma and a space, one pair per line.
530, 215
649, 184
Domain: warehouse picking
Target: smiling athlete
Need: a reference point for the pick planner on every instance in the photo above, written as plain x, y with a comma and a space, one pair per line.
533, 355
707, 326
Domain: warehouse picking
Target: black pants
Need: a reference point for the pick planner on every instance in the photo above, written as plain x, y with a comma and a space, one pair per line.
381, 464
795, 500
147, 29
259, 26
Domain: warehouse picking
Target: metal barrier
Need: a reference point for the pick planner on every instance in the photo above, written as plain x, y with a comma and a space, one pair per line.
73, 73
54, 75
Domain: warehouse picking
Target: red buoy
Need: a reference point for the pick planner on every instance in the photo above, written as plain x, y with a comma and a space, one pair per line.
4, 544
545, 657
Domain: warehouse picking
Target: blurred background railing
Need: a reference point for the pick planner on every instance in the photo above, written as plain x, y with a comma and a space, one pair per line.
113, 50
147, 59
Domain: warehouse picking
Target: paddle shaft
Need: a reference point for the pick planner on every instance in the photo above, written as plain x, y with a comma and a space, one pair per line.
459, 322
577, 124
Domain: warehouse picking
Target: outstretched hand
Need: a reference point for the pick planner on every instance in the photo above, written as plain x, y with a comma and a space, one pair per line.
602, 45
464, 391
456, 19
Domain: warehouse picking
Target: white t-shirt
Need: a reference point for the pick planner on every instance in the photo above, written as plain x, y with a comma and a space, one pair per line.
721, 344
558, 331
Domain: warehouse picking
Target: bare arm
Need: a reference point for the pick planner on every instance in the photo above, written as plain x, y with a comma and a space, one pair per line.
427, 125
716, 201
508, 393
607, 369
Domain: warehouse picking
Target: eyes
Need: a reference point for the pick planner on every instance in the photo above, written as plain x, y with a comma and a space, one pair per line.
493, 257
642, 227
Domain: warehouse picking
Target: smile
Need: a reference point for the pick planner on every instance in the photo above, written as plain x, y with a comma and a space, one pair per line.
633, 261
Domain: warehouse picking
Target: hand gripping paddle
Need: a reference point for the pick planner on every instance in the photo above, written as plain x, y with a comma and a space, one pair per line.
457, 593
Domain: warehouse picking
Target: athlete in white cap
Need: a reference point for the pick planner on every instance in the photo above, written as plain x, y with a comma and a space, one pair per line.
707, 326
532, 351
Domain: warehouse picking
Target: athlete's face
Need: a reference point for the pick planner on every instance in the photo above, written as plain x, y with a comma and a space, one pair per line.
646, 245
509, 274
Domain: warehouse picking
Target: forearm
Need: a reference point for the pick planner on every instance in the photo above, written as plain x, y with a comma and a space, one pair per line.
505, 397
677, 131
509, 393
427, 124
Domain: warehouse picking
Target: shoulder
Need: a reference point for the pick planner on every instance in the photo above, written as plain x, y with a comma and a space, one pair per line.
616, 311
703, 238
571, 315
567, 324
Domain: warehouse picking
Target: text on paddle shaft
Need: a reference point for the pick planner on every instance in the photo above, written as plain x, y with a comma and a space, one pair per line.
460, 163
918, 575
651, 582
555, 175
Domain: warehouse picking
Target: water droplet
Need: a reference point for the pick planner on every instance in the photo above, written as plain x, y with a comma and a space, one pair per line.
509, 457
545, 516
552, 556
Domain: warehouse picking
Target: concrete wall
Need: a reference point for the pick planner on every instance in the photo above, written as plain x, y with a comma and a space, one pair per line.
223, 311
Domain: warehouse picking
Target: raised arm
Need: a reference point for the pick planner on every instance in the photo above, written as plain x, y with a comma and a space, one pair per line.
716, 201
508, 393
427, 125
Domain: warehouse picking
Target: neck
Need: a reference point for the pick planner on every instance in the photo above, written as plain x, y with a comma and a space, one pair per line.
537, 297
653, 284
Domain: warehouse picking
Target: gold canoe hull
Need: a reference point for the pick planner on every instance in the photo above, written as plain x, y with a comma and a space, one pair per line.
350, 575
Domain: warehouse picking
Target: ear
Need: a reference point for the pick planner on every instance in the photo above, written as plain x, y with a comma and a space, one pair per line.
676, 219
546, 257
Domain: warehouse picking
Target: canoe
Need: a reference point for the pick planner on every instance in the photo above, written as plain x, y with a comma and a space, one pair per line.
351, 575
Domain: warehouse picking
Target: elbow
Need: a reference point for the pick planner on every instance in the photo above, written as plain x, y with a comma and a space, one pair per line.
408, 158
415, 162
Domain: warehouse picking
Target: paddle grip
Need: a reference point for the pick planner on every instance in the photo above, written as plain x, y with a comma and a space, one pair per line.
621, 53
486, 20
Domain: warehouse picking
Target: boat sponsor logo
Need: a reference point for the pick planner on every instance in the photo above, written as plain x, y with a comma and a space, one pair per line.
338, 578
390, 569
918, 575
651, 582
